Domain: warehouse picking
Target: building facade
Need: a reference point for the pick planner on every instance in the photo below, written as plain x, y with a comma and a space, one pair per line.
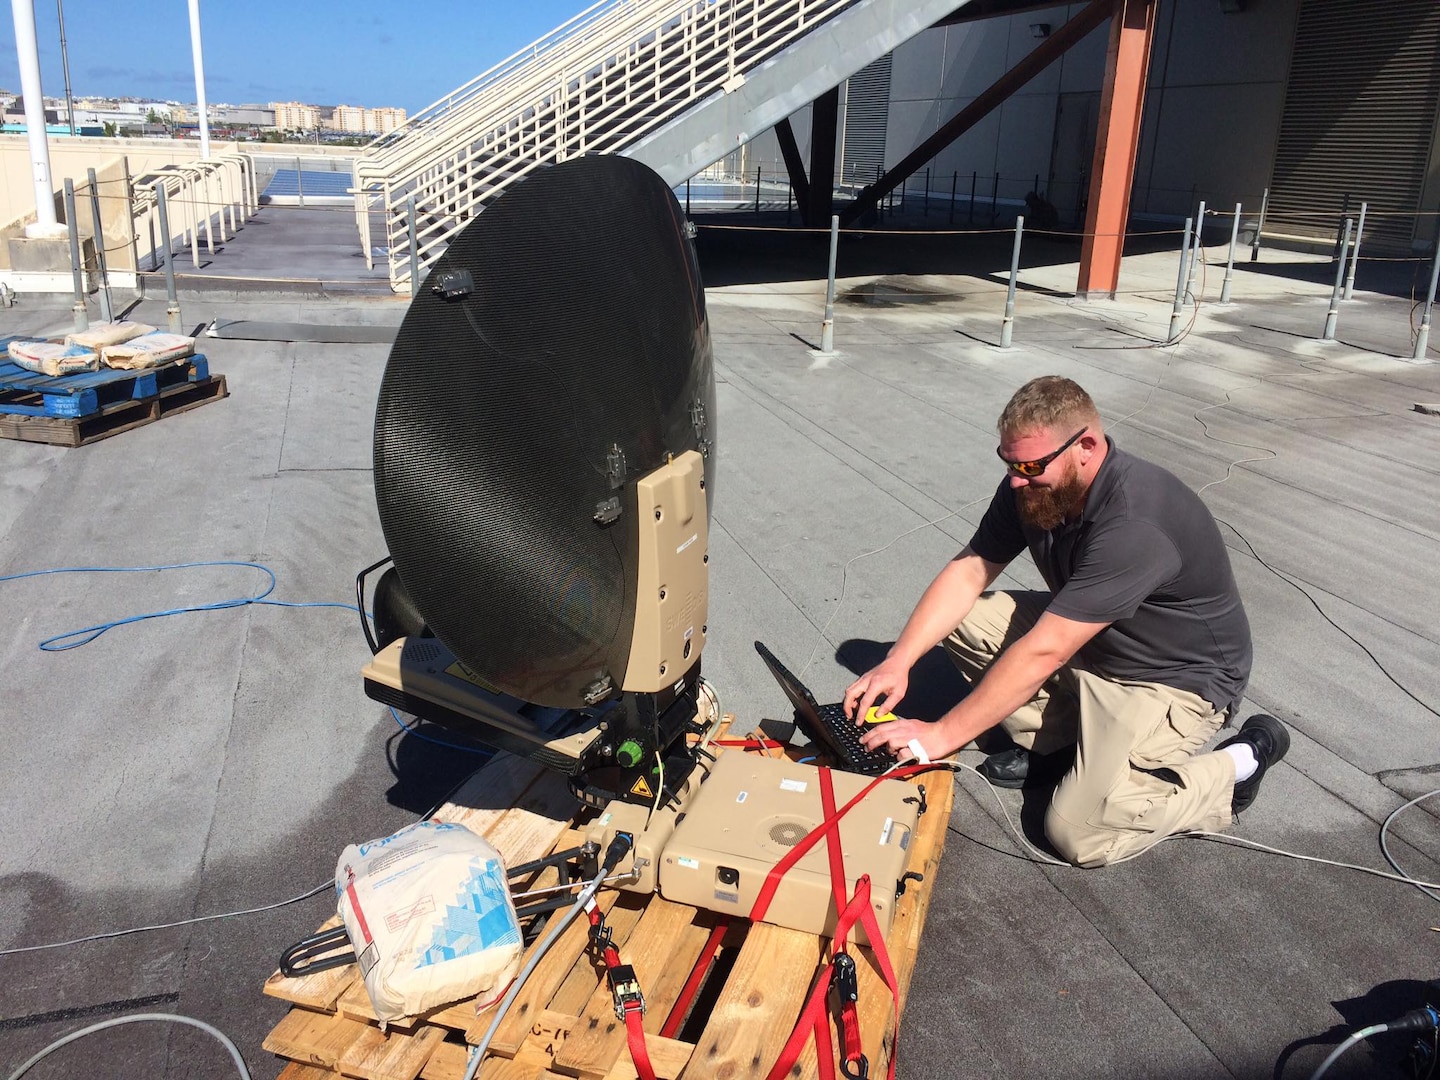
294, 116
354, 119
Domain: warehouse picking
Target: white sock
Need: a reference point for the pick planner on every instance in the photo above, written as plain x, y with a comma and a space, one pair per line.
1245, 760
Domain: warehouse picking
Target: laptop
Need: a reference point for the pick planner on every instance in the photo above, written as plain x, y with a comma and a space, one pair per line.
827, 725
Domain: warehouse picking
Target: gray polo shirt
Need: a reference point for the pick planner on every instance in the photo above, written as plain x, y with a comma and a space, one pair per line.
1146, 557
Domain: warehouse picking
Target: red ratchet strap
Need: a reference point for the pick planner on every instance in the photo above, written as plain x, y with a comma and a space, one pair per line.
752, 743
812, 1019
842, 966
697, 976
629, 1002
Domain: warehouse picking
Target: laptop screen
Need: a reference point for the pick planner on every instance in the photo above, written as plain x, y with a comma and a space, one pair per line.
803, 700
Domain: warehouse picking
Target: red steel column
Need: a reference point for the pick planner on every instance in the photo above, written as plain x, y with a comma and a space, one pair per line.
1127, 62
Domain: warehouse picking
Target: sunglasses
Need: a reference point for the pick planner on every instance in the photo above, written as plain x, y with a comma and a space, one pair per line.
1039, 465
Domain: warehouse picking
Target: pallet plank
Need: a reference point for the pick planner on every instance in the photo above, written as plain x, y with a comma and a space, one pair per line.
295, 1071
756, 1010
28, 393
403, 1056
113, 419
314, 1038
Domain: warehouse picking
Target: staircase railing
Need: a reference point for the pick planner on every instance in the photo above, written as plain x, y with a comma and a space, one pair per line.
597, 84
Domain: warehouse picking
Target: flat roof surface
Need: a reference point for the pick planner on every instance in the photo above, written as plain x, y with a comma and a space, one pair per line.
204, 763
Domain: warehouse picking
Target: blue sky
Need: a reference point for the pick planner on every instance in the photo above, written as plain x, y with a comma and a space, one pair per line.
319, 51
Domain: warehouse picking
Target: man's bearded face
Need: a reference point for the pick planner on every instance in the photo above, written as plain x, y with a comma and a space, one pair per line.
1046, 507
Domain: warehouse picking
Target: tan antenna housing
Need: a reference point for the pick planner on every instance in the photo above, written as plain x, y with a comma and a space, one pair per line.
672, 589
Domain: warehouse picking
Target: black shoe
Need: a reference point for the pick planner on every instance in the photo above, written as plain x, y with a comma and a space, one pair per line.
1270, 741
1007, 769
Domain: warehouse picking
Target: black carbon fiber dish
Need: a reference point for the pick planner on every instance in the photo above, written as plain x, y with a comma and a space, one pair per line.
586, 330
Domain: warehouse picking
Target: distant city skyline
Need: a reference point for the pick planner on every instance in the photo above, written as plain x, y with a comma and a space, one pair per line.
319, 52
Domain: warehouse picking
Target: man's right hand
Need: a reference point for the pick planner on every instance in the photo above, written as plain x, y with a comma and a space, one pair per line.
885, 683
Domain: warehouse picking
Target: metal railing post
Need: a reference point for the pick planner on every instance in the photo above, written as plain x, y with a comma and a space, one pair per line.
1008, 322
1230, 260
757, 191
1180, 284
974, 179
299, 182
827, 325
82, 317
105, 310
687, 197
172, 304
925, 202
192, 218
1197, 252
1334, 313
130, 214
954, 179
414, 247
1355, 254
1259, 226
994, 197
1422, 337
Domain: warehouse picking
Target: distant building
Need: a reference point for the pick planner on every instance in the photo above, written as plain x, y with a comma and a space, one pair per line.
359, 121
293, 116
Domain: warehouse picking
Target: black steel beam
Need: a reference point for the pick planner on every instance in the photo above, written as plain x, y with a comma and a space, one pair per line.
795, 166
823, 116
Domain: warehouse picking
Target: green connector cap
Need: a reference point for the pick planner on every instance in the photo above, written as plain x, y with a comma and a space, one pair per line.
629, 754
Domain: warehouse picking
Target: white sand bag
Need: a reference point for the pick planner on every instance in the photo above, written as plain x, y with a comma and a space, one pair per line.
429, 913
52, 358
108, 333
147, 351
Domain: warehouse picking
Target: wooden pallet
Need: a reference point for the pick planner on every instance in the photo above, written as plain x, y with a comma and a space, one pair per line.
73, 410
563, 1024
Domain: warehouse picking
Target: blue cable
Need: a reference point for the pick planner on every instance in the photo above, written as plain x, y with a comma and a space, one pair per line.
415, 731
63, 642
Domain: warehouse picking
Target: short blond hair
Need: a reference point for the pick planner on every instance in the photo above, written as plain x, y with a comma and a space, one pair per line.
1049, 402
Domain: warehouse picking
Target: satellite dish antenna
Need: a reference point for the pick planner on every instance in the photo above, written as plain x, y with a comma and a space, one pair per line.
544, 451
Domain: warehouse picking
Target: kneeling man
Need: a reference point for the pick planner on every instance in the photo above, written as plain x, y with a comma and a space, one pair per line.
1134, 655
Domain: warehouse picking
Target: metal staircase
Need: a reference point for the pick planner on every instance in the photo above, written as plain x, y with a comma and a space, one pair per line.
675, 83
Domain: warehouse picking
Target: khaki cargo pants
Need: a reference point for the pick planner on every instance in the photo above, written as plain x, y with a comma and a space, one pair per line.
1112, 803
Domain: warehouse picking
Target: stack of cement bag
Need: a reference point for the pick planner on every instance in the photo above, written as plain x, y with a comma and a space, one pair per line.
125, 345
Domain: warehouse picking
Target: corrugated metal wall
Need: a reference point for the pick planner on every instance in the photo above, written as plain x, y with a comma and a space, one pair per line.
867, 106
1359, 117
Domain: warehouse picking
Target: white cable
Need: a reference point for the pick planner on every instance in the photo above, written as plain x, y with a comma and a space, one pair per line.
1363, 1033
716, 716
330, 884
659, 788
504, 1007
135, 1019
1226, 838
1385, 847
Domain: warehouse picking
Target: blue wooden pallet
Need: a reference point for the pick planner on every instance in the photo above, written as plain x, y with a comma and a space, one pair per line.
26, 393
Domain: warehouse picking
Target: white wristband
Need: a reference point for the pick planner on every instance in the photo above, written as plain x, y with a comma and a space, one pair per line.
918, 751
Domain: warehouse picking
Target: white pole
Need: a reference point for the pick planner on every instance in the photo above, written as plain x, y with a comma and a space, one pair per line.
28, 53
199, 79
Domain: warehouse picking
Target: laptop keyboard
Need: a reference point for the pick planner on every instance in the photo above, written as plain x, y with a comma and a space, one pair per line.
847, 737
